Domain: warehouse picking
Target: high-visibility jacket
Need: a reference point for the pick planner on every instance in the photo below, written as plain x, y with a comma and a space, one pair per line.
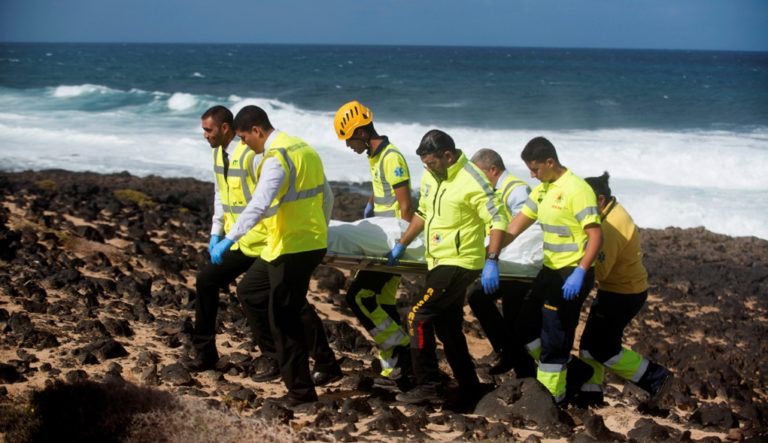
235, 191
388, 169
619, 266
506, 186
455, 212
295, 219
563, 208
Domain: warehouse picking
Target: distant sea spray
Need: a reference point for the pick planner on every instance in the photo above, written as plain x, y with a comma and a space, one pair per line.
689, 171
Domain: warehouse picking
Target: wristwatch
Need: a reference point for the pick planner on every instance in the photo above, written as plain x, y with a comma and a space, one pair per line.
493, 256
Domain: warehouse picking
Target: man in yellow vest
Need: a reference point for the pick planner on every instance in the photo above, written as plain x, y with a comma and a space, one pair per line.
566, 208
372, 295
622, 289
457, 205
289, 199
499, 329
234, 181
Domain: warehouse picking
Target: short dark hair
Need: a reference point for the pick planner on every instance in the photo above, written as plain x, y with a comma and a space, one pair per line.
539, 149
220, 115
435, 142
600, 185
485, 158
251, 116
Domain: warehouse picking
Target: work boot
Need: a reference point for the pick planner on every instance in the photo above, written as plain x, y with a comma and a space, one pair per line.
579, 373
656, 381
587, 399
265, 369
426, 393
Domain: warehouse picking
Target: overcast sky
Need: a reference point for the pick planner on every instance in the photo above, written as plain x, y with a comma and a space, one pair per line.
653, 24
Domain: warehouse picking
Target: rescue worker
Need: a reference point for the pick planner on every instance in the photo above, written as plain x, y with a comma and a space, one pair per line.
566, 209
511, 353
372, 295
622, 289
289, 198
457, 204
234, 182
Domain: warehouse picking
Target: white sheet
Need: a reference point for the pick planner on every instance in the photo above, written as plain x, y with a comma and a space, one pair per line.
372, 238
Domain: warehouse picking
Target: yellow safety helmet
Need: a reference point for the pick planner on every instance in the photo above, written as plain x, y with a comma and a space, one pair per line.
349, 117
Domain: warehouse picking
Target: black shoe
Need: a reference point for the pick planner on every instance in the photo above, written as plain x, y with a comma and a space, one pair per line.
502, 365
656, 381
201, 363
579, 372
419, 395
292, 402
322, 378
589, 399
265, 369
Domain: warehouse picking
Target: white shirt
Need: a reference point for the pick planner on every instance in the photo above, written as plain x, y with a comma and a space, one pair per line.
272, 177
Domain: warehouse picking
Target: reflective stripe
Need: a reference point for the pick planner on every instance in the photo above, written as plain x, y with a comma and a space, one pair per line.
552, 368
233, 209
391, 213
532, 205
489, 191
511, 185
381, 327
566, 247
562, 231
534, 346
394, 340
628, 365
292, 195
388, 199
589, 210
243, 173
589, 387
640, 371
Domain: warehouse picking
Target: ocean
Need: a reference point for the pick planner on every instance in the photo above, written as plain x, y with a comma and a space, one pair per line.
684, 134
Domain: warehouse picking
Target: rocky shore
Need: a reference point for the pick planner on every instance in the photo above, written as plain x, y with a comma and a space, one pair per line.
96, 307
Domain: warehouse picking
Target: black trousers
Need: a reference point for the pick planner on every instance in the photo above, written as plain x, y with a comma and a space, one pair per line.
210, 279
278, 290
441, 311
609, 315
500, 329
557, 317
373, 281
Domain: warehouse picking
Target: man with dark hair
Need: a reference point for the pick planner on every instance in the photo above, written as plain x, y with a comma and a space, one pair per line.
566, 208
234, 183
289, 199
372, 295
510, 351
457, 204
622, 283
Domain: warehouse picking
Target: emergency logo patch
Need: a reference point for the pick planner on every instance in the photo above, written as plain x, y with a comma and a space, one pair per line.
437, 238
399, 171
426, 190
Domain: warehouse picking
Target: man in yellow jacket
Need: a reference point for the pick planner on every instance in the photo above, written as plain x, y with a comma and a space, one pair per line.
457, 205
289, 199
372, 295
234, 181
566, 208
622, 289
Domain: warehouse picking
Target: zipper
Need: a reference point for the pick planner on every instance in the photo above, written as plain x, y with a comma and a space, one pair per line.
429, 224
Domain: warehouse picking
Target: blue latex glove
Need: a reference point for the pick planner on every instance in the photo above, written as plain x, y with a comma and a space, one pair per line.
214, 239
573, 283
394, 255
368, 211
219, 250
490, 277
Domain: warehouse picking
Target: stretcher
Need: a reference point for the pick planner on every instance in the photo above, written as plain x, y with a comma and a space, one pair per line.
363, 244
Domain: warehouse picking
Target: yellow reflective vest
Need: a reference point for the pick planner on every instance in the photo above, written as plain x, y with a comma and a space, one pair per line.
455, 213
235, 191
619, 266
295, 219
563, 208
388, 169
